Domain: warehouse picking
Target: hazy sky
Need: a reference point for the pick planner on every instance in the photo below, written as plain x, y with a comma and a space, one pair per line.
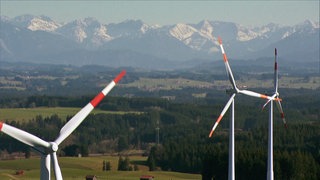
251, 12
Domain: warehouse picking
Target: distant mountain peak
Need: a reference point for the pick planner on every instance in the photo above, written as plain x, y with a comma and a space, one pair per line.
128, 28
87, 30
36, 23
41, 24
24, 18
207, 29
309, 23
87, 22
5, 18
182, 31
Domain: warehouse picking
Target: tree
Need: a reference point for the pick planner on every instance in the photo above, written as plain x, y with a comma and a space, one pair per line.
27, 154
72, 150
124, 164
136, 167
152, 159
106, 166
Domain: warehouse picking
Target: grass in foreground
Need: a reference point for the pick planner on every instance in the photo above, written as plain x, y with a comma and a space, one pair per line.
78, 168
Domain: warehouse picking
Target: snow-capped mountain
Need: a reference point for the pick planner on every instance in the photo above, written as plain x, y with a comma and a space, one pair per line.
86, 31
128, 28
196, 39
37, 23
39, 38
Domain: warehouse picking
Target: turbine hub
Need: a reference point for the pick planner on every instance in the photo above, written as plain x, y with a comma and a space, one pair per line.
54, 147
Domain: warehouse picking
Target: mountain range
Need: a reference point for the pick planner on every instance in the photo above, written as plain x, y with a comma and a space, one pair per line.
39, 39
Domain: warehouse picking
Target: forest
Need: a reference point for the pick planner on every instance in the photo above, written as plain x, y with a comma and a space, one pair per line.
184, 145
182, 114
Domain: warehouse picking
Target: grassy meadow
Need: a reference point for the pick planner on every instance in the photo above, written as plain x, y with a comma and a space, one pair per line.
78, 168
151, 84
26, 114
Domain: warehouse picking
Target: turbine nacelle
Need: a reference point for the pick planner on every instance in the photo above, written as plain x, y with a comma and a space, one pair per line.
231, 91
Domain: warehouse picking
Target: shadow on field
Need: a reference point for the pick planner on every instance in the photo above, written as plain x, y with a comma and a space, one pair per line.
139, 162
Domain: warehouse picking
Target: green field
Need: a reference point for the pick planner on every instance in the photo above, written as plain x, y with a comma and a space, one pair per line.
166, 83
78, 168
25, 114
152, 84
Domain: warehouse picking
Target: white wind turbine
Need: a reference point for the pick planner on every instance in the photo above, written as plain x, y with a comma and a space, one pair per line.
48, 149
234, 91
270, 174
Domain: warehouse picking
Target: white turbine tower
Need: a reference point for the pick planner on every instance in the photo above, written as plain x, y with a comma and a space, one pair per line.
48, 149
270, 173
233, 91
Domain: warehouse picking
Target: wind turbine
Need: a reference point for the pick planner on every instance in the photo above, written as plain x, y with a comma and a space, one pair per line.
270, 174
235, 90
48, 149
276, 93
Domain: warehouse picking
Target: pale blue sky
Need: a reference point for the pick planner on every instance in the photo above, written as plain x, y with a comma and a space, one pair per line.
169, 12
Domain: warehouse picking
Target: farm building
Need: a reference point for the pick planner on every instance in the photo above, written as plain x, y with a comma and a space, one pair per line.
91, 177
147, 177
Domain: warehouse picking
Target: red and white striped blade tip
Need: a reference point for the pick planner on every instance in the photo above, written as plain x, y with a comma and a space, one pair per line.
119, 77
219, 40
215, 125
211, 132
210, 135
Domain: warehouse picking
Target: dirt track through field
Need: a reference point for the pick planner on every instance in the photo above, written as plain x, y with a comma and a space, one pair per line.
10, 176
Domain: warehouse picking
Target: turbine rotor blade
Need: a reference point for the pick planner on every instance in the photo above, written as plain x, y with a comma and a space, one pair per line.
23, 136
278, 103
266, 104
275, 72
76, 120
276, 85
258, 95
222, 114
56, 167
228, 69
